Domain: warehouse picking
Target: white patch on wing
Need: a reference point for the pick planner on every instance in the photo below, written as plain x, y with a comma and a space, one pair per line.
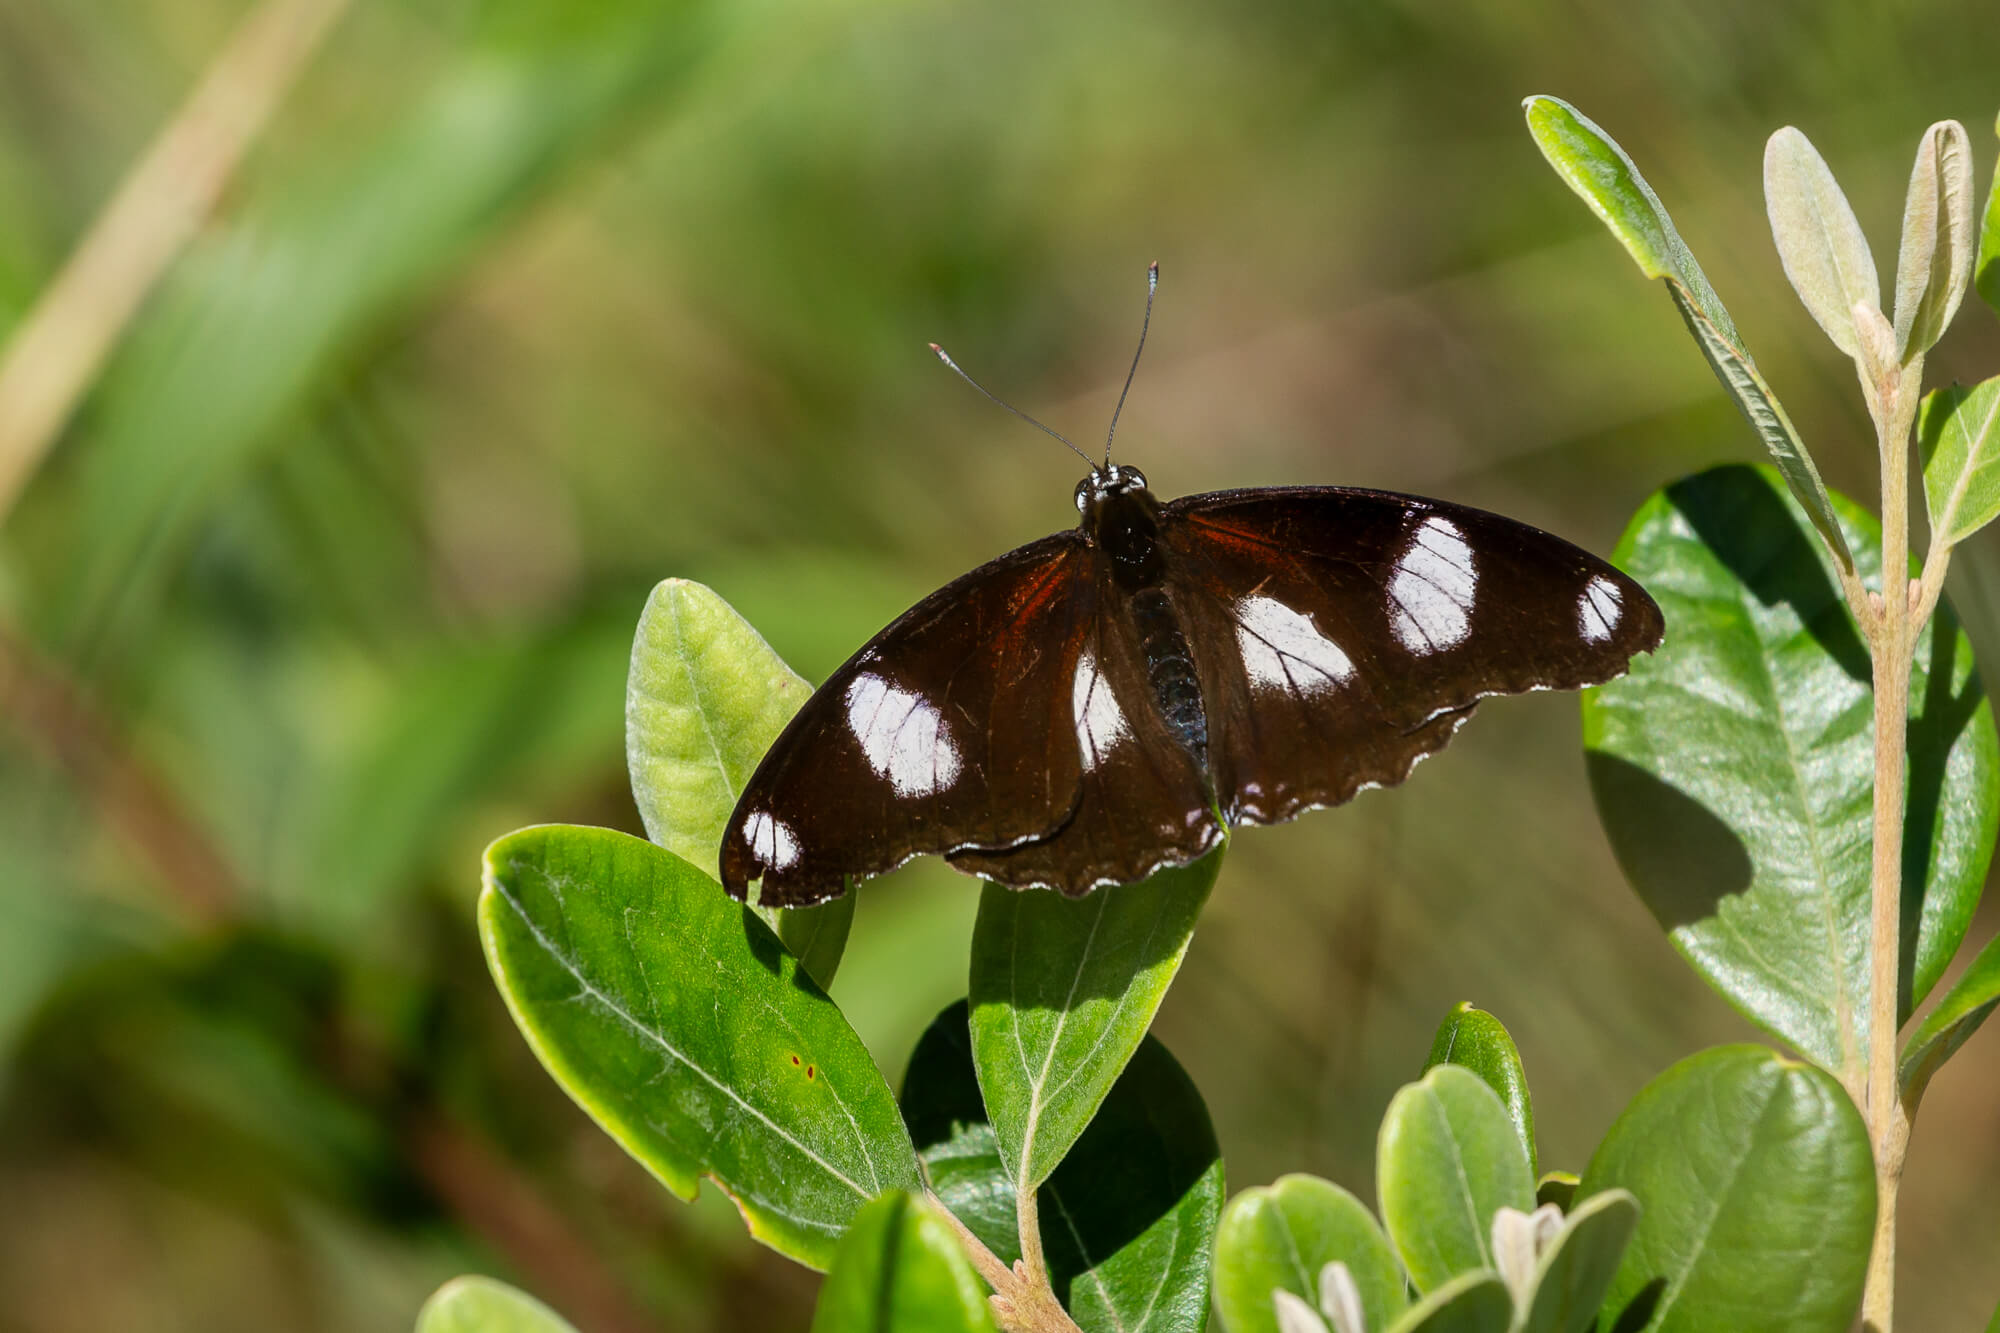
1282, 648
903, 737
1100, 722
771, 842
1598, 610
1431, 592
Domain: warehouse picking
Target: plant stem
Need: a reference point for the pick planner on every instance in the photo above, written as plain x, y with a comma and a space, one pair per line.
1892, 640
1023, 1301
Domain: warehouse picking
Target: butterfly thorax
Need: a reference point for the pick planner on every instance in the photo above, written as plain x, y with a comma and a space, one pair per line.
1122, 520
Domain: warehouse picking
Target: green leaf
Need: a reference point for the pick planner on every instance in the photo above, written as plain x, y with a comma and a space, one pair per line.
1447, 1159
679, 1022
482, 1305
1819, 239
1734, 767
1470, 1303
1936, 255
1062, 991
1986, 271
1959, 431
1480, 1042
1576, 1270
1127, 1220
899, 1269
1759, 1193
1957, 1016
705, 699
1556, 1187
1283, 1235
1599, 171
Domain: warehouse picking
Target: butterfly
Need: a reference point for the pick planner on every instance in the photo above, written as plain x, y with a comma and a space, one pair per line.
1108, 701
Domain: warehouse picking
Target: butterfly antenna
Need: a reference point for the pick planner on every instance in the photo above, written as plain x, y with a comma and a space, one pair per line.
1152, 285
945, 357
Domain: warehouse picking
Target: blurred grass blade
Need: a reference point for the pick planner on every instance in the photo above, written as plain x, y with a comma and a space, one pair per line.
1957, 1016
1752, 847
1988, 264
1063, 990
1128, 1219
1934, 262
1958, 430
269, 307
705, 698
1476, 1040
1599, 171
482, 1305
899, 1269
1471, 1303
1447, 1160
1759, 1191
675, 1018
1819, 240
1282, 1236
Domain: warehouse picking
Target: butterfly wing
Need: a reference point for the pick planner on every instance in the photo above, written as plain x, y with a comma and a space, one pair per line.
950, 729
1143, 801
1343, 634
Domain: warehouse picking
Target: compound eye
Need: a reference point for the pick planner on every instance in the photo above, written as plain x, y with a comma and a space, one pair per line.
1082, 494
1132, 476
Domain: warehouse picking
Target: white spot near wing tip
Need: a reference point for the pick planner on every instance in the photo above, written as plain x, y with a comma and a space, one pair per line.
1100, 722
1282, 648
771, 841
1432, 590
1599, 609
902, 735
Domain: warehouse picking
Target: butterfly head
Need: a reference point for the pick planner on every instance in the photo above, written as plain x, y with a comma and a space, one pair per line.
1105, 483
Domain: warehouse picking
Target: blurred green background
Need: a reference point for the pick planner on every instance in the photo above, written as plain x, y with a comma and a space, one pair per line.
518, 307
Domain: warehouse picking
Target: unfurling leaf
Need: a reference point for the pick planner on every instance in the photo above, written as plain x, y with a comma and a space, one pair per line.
1936, 256
482, 1305
1477, 1040
1819, 240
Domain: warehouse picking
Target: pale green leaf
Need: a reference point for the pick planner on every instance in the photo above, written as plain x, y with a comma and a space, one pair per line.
1605, 178
1819, 239
1283, 1235
1471, 1303
1447, 1159
705, 698
1958, 430
1577, 1268
1957, 1016
899, 1269
1987, 266
482, 1305
1936, 256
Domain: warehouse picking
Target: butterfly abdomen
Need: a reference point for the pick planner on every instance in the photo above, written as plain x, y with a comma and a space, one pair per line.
1170, 671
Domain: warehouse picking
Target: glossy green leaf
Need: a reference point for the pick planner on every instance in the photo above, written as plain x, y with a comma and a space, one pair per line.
1959, 432
1447, 1158
1576, 1270
1734, 767
705, 699
1957, 1016
1062, 991
1936, 255
1819, 239
1128, 1220
1283, 1235
1599, 171
1471, 1303
482, 1305
899, 1269
1986, 267
1758, 1189
679, 1022
1480, 1042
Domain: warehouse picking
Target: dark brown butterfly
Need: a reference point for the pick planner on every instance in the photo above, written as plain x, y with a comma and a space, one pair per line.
1102, 703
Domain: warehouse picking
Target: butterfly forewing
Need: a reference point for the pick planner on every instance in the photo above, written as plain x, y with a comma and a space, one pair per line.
951, 728
1343, 634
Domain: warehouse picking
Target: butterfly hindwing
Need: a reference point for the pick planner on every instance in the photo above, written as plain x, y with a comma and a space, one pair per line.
950, 728
1343, 634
